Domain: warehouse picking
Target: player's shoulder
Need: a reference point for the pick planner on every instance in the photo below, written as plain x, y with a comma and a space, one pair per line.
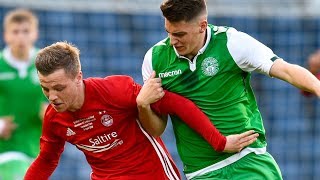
163, 42
110, 78
160, 49
113, 82
231, 34
222, 31
161, 45
114, 89
118, 78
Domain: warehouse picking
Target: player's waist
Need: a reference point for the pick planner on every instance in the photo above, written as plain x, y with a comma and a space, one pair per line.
226, 161
200, 154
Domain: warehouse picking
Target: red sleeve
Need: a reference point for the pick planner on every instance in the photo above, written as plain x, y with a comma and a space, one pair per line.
42, 167
51, 148
184, 108
309, 94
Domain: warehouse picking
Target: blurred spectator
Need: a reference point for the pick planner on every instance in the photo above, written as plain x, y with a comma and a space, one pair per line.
314, 63
21, 100
313, 67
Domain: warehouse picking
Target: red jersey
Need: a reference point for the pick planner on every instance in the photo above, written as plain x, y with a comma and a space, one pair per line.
107, 131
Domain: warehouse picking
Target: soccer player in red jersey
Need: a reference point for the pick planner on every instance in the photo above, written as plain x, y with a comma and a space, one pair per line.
100, 117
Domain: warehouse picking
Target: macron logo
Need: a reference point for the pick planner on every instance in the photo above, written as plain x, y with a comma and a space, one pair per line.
170, 74
70, 132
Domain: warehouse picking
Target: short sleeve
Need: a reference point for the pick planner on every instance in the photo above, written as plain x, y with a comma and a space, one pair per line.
248, 53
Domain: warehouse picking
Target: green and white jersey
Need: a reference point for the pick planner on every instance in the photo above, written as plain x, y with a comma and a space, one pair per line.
218, 81
21, 97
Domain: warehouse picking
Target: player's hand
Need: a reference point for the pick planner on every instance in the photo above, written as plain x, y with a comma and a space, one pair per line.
236, 142
151, 91
8, 127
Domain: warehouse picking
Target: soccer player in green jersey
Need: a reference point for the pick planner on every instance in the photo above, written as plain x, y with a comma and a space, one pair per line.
212, 65
22, 102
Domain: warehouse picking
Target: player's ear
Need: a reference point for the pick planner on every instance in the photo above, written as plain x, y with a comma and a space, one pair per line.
79, 77
203, 25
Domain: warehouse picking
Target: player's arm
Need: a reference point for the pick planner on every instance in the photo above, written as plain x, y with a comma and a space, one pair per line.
51, 148
151, 92
43, 166
153, 123
177, 105
295, 75
170, 103
255, 56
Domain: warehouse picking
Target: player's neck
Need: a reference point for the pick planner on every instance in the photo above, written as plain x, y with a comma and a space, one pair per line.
80, 98
197, 49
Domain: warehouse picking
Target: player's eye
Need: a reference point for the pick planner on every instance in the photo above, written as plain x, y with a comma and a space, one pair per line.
59, 89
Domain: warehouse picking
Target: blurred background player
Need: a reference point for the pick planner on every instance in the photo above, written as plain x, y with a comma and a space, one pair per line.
21, 100
313, 65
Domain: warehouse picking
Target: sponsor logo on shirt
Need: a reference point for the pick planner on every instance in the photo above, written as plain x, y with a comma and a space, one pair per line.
170, 74
210, 66
85, 123
102, 143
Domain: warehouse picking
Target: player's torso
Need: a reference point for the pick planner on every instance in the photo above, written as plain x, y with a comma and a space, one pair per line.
217, 85
113, 142
21, 98
17, 87
212, 79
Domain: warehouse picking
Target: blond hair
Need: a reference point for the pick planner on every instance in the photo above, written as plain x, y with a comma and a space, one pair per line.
20, 16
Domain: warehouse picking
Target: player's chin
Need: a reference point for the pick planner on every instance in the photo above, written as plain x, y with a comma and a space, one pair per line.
182, 51
59, 107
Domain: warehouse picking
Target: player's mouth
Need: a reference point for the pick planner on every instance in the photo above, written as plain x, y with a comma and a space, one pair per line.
179, 48
56, 104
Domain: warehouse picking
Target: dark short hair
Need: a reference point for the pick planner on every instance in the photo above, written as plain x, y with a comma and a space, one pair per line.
60, 55
182, 10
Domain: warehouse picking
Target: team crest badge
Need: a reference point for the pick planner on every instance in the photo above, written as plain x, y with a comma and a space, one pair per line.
210, 66
107, 120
